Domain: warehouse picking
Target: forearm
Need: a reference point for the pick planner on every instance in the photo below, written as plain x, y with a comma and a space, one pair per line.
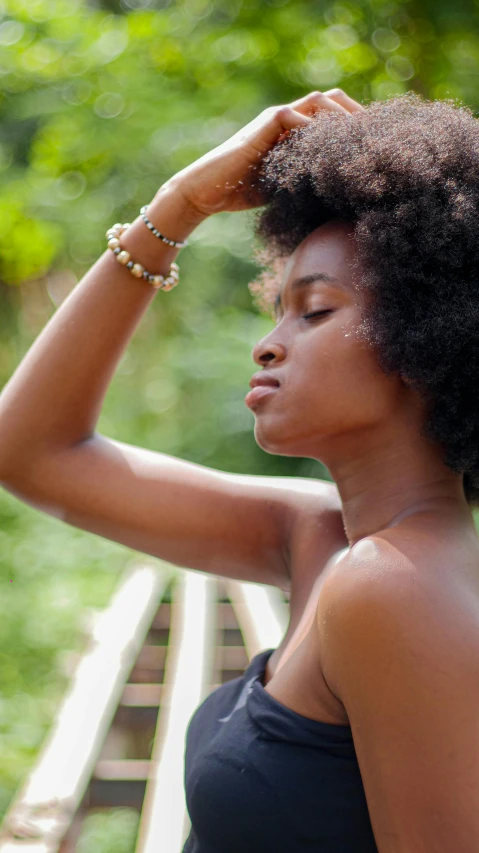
54, 398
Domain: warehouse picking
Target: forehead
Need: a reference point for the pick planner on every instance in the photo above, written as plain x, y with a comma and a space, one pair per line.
328, 249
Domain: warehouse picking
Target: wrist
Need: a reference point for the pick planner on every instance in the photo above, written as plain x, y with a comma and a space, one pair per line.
173, 194
172, 216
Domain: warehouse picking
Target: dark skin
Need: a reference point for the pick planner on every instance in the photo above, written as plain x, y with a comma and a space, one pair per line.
382, 565
336, 405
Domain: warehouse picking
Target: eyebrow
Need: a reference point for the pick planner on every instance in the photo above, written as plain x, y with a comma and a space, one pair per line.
306, 280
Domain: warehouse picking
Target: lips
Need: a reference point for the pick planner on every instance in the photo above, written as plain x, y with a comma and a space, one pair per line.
262, 386
263, 379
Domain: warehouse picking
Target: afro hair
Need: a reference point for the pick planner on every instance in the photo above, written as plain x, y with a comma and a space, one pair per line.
405, 174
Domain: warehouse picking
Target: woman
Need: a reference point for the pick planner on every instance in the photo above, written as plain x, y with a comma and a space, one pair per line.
361, 731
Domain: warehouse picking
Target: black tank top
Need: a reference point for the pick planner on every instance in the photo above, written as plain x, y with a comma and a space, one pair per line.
260, 777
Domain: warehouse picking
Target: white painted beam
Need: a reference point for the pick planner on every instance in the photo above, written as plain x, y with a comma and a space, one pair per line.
40, 814
189, 674
261, 613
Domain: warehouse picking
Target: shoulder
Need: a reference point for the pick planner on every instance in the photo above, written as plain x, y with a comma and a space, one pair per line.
370, 578
307, 516
305, 499
377, 591
316, 506
316, 530
402, 657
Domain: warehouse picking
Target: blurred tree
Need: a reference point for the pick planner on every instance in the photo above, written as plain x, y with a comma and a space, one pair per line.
101, 101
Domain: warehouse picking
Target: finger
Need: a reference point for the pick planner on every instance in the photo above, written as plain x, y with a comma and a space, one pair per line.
289, 118
342, 98
315, 101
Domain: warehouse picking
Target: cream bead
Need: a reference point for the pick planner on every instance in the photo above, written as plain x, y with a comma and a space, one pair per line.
159, 282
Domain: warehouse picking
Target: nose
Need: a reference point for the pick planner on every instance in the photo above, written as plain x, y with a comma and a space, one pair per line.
266, 351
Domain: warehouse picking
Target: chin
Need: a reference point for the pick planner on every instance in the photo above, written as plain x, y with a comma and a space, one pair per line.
270, 441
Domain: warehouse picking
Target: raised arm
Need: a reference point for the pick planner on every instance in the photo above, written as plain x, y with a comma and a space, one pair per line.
52, 458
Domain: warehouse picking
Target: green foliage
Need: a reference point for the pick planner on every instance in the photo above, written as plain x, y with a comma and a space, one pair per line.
100, 103
112, 831
49, 574
100, 106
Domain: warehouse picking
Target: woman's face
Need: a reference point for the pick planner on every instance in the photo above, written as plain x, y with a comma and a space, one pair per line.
331, 386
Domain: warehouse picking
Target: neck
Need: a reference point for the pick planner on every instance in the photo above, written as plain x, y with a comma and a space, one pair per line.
380, 482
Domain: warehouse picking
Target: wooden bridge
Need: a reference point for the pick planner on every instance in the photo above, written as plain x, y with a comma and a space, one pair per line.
167, 639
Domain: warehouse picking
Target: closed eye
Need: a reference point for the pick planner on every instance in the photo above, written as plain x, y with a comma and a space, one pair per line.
316, 314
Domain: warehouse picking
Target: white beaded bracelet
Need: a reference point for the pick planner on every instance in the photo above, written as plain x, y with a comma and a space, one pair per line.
159, 282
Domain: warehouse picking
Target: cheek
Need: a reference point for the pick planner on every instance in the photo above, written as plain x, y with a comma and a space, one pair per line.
337, 376
330, 358
333, 385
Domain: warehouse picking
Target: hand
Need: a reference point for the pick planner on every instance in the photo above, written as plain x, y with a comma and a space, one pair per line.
223, 179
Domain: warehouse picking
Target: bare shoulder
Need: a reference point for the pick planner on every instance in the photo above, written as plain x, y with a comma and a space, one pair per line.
313, 505
316, 531
402, 645
424, 588
422, 555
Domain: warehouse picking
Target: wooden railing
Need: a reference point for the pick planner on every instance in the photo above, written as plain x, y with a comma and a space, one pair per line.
167, 639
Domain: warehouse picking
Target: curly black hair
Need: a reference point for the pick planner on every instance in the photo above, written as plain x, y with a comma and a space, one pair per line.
405, 174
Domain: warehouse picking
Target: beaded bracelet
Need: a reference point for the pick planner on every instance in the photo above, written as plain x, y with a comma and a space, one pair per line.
159, 282
157, 233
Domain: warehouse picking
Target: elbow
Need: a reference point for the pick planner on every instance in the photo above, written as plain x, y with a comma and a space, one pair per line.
25, 489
